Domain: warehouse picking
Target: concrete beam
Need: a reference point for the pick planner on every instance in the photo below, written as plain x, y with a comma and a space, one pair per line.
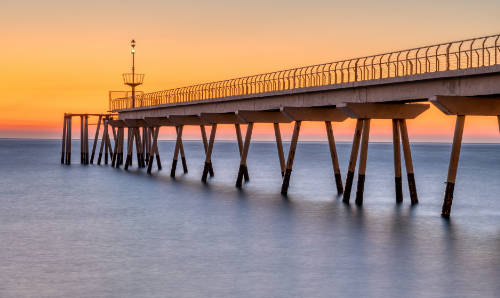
158, 121
383, 111
467, 105
221, 118
135, 122
186, 119
314, 114
117, 123
263, 116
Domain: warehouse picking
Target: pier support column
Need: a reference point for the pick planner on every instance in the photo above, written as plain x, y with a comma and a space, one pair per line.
244, 154
452, 170
81, 139
116, 137
145, 148
176, 150
362, 162
147, 132
408, 162
240, 149
68, 141
112, 149
334, 156
64, 139
208, 158
183, 158
130, 147
397, 160
114, 157
352, 161
154, 150
104, 143
86, 144
121, 143
96, 139
279, 145
141, 145
108, 144
151, 134
138, 146
205, 147
291, 156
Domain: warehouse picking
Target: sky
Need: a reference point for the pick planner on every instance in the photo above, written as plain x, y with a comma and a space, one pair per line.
64, 56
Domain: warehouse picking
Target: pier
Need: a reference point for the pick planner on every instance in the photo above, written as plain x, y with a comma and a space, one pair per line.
461, 78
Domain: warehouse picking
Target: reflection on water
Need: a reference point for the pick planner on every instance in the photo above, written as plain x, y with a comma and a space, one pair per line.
90, 231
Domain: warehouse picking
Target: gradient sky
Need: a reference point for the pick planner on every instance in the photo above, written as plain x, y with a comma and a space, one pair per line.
64, 56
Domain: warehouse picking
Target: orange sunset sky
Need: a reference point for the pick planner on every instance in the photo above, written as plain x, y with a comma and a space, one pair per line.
64, 56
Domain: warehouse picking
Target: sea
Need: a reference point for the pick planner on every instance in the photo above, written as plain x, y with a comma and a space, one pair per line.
97, 231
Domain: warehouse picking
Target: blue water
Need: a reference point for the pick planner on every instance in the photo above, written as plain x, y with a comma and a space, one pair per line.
95, 231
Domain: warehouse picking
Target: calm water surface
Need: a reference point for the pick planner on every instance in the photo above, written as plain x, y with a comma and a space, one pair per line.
94, 231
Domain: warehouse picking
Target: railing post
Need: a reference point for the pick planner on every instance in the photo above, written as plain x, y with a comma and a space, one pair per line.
356, 71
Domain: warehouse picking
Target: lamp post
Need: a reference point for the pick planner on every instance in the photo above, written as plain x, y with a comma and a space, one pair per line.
132, 79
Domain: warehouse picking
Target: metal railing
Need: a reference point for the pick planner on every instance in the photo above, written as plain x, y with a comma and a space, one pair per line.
463, 54
122, 99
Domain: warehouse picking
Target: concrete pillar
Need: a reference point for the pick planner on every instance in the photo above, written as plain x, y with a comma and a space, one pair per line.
96, 139
105, 143
86, 140
240, 149
68, 142
334, 156
208, 155
81, 139
279, 145
362, 162
408, 162
397, 160
291, 156
352, 160
63, 143
205, 147
176, 150
130, 147
452, 170
244, 154
154, 150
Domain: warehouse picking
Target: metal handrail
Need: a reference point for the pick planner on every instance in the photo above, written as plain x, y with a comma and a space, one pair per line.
462, 54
